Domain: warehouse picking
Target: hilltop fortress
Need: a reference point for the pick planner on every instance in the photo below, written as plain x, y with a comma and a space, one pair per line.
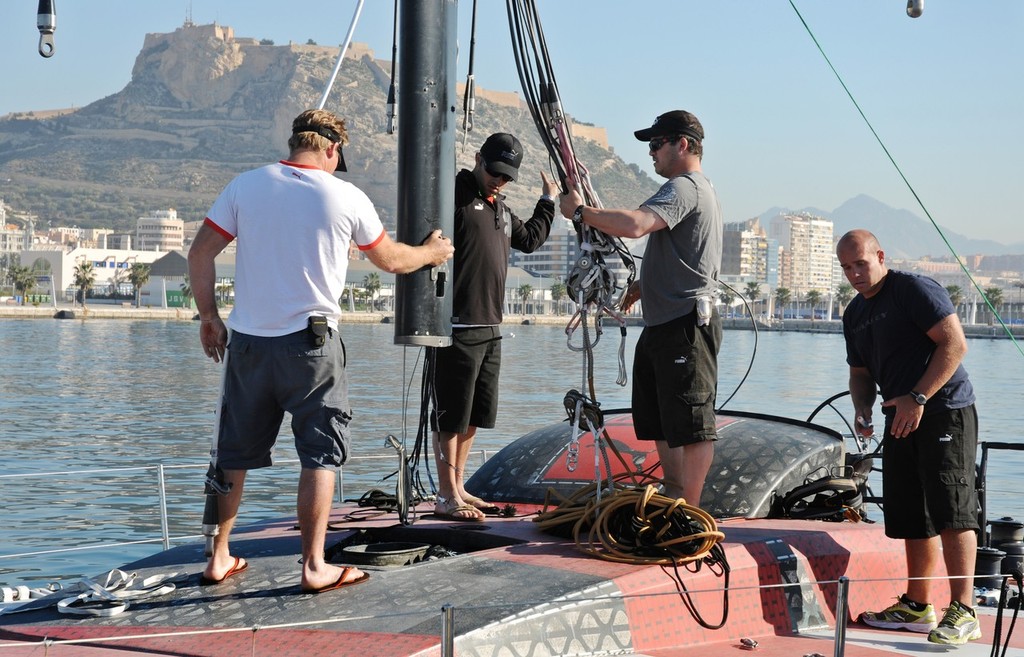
204, 104
184, 70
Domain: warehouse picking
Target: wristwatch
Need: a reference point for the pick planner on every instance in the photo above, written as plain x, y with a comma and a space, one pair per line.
578, 215
919, 398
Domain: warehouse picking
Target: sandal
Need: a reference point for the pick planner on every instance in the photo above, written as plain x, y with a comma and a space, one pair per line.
481, 505
447, 509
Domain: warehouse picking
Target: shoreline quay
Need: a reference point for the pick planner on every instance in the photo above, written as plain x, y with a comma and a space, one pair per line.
107, 311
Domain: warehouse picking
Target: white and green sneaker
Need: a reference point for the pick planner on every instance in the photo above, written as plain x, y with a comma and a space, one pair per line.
959, 625
901, 616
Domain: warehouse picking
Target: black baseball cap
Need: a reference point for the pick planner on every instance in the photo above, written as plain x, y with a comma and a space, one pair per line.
502, 153
669, 124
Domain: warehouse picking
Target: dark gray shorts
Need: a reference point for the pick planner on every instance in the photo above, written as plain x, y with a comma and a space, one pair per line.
268, 376
675, 381
466, 380
928, 477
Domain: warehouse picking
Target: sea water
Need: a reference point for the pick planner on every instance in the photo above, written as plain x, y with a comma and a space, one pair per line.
90, 409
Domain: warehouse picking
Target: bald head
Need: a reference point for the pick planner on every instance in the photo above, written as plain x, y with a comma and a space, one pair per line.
863, 261
859, 237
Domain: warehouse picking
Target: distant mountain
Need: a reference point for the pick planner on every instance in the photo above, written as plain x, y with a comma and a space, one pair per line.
203, 105
902, 233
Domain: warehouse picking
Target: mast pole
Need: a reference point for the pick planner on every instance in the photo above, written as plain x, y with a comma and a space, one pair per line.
426, 163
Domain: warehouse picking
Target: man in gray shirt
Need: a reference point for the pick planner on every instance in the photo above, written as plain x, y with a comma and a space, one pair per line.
675, 366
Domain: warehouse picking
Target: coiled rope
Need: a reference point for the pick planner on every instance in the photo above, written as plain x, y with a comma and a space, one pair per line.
637, 525
632, 525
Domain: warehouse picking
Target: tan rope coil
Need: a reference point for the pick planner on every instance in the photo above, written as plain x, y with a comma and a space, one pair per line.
632, 525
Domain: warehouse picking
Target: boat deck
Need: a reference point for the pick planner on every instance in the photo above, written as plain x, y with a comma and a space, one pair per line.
513, 590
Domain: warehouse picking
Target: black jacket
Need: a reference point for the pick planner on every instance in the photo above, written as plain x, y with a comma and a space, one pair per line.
485, 231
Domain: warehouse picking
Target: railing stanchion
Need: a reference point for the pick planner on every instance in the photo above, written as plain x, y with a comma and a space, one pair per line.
448, 631
842, 592
162, 487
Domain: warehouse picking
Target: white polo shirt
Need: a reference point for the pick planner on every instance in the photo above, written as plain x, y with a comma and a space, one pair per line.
293, 224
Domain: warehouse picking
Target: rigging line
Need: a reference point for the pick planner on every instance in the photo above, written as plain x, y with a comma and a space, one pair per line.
341, 55
391, 104
469, 94
753, 351
540, 91
526, 78
910, 187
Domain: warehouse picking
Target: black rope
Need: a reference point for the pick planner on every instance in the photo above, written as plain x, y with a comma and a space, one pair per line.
541, 95
423, 446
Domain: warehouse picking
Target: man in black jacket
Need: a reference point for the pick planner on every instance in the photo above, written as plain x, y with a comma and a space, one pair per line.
466, 381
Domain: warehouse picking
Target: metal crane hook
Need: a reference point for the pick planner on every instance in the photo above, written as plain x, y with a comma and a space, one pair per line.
46, 19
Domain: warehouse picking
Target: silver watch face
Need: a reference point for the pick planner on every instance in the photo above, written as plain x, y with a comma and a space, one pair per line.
919, 398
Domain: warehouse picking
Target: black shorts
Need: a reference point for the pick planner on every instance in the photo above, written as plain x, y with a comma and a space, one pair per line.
675, 381
466, 380
928, 477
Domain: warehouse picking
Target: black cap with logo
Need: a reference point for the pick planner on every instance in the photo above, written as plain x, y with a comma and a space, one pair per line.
502, 153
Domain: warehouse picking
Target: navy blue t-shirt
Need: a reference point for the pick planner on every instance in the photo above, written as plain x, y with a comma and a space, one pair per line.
888, 334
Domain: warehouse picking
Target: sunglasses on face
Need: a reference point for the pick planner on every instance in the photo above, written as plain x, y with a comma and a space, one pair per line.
658, 142
494, 174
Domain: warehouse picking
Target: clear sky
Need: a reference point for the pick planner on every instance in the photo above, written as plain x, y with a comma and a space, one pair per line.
944, 92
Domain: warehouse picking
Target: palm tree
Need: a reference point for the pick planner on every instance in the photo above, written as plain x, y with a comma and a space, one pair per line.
782, 297
525, 292
24, 280
371, 283
186, 293
956, 295
995, 300
753, 293
726, 296
557, 294
1020, 294
117, 279
813, 298
85, 278
844, 294
138, 276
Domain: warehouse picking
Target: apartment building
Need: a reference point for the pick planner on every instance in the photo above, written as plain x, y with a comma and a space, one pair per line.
808, 258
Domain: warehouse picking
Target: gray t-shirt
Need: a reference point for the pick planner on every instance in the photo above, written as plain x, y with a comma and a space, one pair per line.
681, 262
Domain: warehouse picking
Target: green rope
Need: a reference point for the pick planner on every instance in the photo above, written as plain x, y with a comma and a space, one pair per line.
928, 214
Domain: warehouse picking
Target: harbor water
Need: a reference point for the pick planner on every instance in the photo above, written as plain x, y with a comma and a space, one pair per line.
90, 409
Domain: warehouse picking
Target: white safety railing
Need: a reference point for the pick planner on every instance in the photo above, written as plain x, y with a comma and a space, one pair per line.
136, 491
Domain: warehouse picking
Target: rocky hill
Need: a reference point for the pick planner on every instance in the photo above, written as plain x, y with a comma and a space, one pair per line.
204, 105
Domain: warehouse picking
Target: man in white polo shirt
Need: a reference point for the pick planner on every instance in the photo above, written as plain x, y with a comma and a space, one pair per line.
294, 221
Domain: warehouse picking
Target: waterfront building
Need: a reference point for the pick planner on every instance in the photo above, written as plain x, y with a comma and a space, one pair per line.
808, 255
160, 231
109, 265
12, 238
744, 253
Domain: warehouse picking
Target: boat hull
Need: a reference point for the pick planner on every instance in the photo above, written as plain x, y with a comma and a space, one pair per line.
514, 590
757, 459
